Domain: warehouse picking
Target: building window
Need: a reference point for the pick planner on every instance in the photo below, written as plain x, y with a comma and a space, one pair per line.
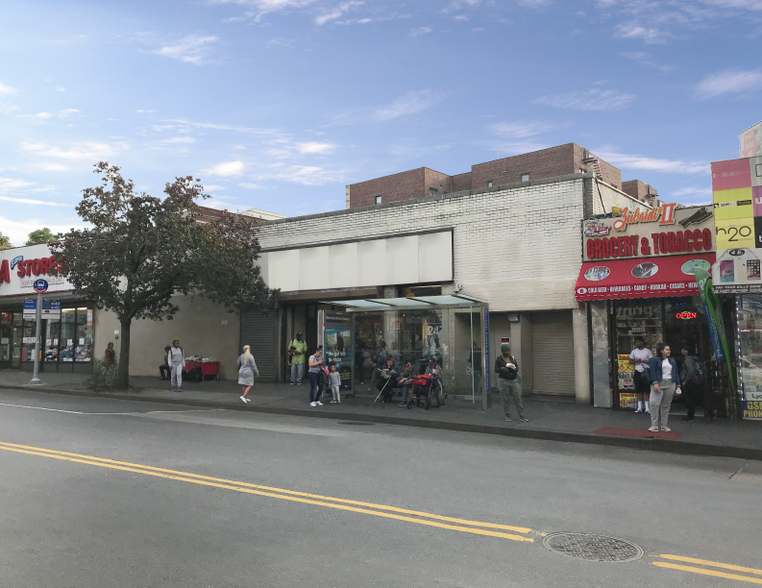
378, 199
759, 170
489, 184
433, 191
524, 177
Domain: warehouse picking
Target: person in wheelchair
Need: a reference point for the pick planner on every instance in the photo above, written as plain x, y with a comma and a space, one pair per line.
387, 380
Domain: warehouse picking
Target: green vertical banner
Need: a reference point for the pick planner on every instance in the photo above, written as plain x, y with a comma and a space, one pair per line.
716, 325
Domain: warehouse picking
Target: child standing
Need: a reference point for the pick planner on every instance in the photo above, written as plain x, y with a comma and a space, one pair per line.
335, 380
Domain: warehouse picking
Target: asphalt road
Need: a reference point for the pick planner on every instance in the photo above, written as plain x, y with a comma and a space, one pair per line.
101, 493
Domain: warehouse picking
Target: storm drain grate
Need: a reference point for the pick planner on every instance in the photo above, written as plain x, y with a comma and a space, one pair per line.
592, 547
356, 423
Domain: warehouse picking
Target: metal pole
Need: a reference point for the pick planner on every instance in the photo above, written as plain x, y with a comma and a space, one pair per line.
473, 366
38, 311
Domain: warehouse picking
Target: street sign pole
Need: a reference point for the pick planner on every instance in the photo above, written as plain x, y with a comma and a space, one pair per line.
40, 286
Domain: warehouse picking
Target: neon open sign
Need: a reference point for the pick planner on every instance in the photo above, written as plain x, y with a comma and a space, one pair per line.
685, 315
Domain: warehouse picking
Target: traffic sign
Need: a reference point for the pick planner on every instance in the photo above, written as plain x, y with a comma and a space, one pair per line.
40, 286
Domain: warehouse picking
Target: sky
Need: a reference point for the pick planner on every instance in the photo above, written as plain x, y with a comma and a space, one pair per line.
279, 104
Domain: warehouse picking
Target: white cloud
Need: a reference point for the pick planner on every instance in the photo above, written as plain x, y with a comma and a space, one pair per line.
653, 164
7, 90
594, 99
67, 112
731, 81
281, 42
53, 167
692, 195
213, 188
60, 89
337, 12
315, 147
420, 31
227, 169
634, 31
86, 151
11, 185
643, 58
32, 202
250, 186
191, 49
524, 129
142, 111
410, 103
179, 140
259, 8
43, 115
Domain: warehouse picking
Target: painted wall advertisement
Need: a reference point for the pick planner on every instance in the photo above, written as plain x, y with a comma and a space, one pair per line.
337, 344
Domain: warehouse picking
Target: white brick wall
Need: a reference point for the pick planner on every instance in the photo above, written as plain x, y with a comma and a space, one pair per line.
517, 247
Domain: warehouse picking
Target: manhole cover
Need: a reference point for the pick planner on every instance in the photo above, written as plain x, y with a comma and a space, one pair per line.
356, 423
592, 547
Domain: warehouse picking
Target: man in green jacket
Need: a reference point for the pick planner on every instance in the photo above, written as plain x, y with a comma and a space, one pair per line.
509, 382
297, 352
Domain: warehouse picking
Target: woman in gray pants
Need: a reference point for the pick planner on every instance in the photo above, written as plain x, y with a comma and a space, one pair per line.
666, 383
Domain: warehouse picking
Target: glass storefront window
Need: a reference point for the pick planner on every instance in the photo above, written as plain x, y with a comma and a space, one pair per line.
5, 336
68, 335
750, 346
634, 319
84, 335
28, 340
52, 330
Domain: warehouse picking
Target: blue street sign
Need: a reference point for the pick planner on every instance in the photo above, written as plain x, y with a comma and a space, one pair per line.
40, 286
30, 305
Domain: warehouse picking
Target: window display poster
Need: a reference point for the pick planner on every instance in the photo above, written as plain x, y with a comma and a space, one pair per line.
626, 371
628, 400
752, 410
337, 345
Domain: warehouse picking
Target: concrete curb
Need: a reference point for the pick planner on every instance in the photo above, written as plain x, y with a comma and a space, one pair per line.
652, 444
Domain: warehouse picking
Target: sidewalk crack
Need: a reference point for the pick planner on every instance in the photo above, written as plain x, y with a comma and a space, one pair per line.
739, 471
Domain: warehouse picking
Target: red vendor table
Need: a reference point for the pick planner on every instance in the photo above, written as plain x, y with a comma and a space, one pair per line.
208, 368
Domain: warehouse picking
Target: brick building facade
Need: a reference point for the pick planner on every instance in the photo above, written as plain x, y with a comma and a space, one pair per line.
546, 163
516, 246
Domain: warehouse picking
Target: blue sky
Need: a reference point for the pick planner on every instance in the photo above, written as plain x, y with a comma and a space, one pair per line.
278, 104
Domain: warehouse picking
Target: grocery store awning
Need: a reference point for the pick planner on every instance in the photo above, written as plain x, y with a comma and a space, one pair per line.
653, 277
413, 302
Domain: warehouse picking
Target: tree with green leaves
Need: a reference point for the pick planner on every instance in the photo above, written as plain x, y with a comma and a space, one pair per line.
140, 250
5, 242
43, 235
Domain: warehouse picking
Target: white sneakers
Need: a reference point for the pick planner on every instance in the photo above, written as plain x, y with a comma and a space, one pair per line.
653, 429
244, 399
318, 403
666, 430
313, 403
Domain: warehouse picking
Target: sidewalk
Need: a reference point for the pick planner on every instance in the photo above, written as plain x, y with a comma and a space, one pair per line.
550, 419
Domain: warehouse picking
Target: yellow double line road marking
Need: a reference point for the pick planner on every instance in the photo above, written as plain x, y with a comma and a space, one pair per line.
379, 510
709, 572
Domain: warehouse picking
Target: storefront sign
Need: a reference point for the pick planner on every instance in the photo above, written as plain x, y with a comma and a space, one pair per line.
737, 195
51, 310
625, 372
685, 315
22, 266
673, 231
751, 410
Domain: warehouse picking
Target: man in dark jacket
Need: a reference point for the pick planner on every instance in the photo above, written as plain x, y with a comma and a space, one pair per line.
692, 374
509, 382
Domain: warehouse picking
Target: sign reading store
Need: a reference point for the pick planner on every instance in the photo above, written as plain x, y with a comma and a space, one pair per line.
664, 230
22, 266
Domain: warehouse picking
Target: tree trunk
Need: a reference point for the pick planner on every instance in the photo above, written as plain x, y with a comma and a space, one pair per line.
123, 373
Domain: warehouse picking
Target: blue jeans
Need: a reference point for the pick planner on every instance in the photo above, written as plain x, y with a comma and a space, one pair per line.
314, 393
297, 369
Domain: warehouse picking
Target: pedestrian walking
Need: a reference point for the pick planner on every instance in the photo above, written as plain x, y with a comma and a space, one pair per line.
164, 368
693, 377
176, 361
315, 364
509, 382
247, 369
335, 379
640, 357
297, 350
666, 383
110, 354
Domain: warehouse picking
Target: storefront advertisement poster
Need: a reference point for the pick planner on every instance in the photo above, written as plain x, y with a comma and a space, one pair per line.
751, 410
625, 372
337, 345
628, 400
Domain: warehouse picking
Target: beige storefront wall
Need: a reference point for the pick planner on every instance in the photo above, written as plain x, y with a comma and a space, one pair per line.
203, 328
